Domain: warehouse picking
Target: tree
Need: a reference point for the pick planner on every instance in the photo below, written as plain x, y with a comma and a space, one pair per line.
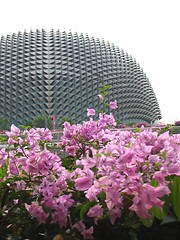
41, 121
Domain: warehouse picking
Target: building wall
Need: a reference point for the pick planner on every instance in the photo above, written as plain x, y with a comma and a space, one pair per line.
59, 73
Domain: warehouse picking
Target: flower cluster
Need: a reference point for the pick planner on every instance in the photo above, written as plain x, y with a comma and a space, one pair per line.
42, 173
123, 167
100, 172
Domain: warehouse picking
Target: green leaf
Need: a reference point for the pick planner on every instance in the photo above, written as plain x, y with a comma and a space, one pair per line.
70, 184
157, 212
107, 154
147, 222
100, 111
164, 153
24, 127
167, 203
85, 208
154, 183
175, 196
165, 129
106, 87
3, 171
102, 198
16, 145
98, 155
19, 154
2, 139
136, 130
67, 162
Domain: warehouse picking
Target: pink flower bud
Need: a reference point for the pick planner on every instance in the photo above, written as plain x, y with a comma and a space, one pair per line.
91, 112
113, 105
100, 97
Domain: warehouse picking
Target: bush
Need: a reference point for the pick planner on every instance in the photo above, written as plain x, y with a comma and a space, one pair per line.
96, 178
41, 121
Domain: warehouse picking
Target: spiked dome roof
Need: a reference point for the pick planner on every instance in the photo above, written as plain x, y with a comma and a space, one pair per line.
59, 73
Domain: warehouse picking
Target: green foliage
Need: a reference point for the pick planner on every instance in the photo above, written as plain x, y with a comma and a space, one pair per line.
23, 127
175, 196
104, 90
130, 124
4, 123
3, 139
158, 213
148, 221
85, 208
40, 121
165, 129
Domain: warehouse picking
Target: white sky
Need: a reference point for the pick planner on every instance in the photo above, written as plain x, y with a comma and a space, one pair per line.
149, 30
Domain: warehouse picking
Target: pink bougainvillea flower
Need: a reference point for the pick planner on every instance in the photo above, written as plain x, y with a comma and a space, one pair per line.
91, 112
83, 183
37, 211
61, 205
88, 233
161, 191
140, 207
14, 131
114, 213
38, 134
79, 226
71, 150
160, 177
95, 212
174, 169
3, 156
100, 97
113, 105
20, 185
147, 198
92, 192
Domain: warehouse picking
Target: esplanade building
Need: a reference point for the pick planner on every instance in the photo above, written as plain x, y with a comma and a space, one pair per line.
60, 73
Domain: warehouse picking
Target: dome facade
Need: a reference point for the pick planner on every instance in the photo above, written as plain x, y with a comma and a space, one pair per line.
60, 73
